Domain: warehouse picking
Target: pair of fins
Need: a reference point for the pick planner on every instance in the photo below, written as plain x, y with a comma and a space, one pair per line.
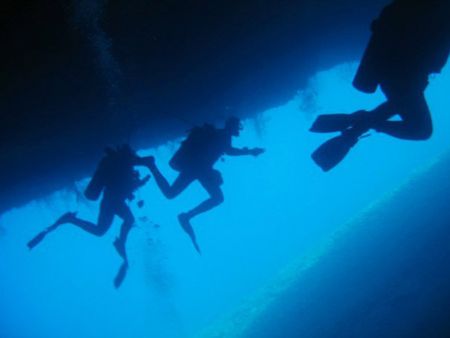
333, 151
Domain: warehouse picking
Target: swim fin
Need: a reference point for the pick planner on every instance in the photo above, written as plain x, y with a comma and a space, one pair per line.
120, 248
339, 122
65, 218
331, 123
333, 151
121, 274
37, 239
187, 227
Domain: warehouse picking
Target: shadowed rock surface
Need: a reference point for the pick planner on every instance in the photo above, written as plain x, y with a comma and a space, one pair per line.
386, 276
77, 75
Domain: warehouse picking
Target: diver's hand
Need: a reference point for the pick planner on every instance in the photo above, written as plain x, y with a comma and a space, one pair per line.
256, 151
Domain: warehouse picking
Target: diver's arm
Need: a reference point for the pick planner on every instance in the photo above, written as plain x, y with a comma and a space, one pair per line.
244, 151
141, 161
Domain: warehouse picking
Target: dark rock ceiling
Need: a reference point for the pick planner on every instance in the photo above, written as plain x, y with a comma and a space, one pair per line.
79, 74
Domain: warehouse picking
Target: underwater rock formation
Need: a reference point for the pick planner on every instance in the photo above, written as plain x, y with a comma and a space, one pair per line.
77, 75
385, 274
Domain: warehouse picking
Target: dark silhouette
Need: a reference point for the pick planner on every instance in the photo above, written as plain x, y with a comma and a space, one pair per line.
117, 179
195, 160
410, 40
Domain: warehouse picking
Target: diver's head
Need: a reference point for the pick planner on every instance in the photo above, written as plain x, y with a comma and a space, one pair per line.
233, 125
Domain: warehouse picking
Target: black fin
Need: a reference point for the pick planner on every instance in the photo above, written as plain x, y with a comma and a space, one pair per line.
332, 123
333, 151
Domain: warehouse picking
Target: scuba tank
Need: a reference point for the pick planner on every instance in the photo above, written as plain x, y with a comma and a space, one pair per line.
98, 180
191, 151
115, 172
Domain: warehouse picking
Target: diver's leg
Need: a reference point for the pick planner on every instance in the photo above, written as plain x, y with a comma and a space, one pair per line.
382, 113
211, 182
405, 94
104, 222
416, 123
124, 212
179, 185
170, 191
364, 120
105, 219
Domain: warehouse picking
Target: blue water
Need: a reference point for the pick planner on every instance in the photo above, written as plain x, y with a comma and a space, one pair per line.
278, 207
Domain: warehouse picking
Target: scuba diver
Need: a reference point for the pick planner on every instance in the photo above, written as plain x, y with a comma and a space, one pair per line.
116, 177
195, 160
410, 40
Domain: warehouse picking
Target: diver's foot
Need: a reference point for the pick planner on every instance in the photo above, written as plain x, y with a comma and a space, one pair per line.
355, 133
330, 123
364, 120
184, 219
120, 248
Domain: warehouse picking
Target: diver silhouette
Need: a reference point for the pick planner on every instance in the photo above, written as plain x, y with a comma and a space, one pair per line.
410, 40
194, 160
116, 177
